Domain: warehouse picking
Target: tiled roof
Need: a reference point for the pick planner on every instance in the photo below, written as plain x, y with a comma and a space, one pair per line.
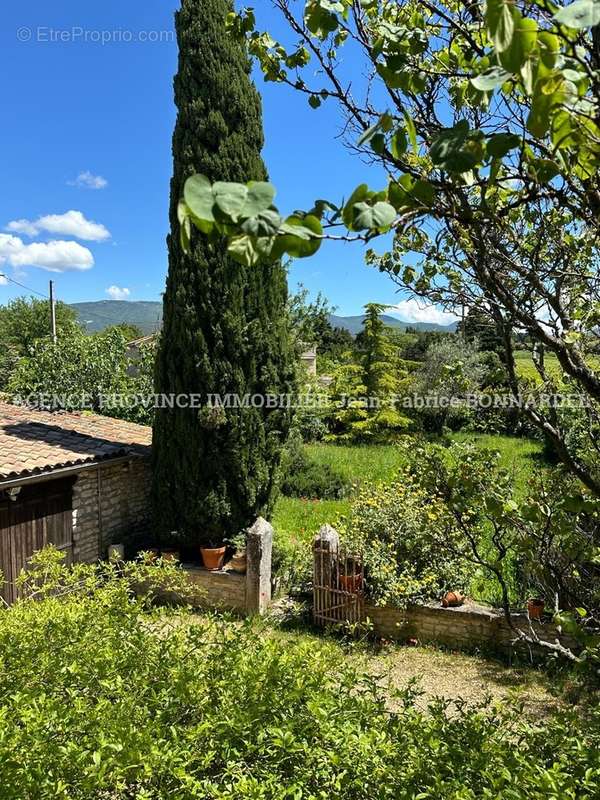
37, 442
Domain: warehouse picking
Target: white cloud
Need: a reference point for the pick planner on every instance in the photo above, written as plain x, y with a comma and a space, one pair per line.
23, 226
55, 256
118, 293
87, 180
413, 310
73, 223
3, 281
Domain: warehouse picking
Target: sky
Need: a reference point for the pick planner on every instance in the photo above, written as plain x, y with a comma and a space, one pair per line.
86, 158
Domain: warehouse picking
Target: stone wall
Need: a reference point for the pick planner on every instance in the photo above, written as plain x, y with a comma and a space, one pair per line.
469, 627
110, 504
249, 593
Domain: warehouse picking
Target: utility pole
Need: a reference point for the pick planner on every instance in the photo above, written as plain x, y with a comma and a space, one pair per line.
52, 313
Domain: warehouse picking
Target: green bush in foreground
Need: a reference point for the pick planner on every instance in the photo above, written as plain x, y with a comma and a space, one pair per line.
102, 696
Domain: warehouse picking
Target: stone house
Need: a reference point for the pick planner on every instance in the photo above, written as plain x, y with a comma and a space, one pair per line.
76, 480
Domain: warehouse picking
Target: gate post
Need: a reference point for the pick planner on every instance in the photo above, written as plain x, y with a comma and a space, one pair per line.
259, 546
325, 551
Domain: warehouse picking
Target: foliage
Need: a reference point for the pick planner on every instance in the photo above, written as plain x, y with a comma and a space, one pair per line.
453, 371
77, 371
102, 696
547, 539
365, 391
24, 322
225, 327
485, 118
304, 477
410, 554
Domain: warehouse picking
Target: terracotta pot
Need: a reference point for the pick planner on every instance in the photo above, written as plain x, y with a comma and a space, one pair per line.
238, 563
351, 583
213, 557
453, 599
535, 608
170, 555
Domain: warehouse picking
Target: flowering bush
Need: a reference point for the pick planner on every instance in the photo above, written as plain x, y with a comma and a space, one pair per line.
402, 532
104, 696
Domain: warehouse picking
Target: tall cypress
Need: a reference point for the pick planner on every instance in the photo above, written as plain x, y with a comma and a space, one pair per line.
225, 325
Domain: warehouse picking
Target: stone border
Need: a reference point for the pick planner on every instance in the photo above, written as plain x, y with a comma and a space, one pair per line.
244, 594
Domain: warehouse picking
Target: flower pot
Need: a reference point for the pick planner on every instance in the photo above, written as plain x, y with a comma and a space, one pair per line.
213, 557
238, 563
453, 600
535, 608
169, 555
351, 583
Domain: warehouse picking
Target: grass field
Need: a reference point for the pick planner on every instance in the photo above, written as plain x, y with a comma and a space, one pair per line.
297, 520
526, 368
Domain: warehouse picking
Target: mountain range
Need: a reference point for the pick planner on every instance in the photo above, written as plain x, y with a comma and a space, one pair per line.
147, 316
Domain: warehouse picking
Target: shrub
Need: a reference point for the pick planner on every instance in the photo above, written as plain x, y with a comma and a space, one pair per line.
303, 477
402, 534
103, 697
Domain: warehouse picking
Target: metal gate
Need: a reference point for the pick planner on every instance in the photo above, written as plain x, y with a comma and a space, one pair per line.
41, 514
338, 585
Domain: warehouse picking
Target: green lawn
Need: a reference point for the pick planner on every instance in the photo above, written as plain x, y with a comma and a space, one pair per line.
526, 368
296, 520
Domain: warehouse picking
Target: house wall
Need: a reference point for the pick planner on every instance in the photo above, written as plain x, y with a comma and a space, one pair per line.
110, 504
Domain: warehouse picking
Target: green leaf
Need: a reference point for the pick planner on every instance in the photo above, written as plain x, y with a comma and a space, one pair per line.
314, 101
501, 23
522, 44
230, 199
360, 194
369, 133
377, 217
267, 223
580, 14
378, 143
302, 239
412, 131
185, 226
399, 143
538, 120
259, 198
499, 144
491, 79
243, 249
199, 197
448, 149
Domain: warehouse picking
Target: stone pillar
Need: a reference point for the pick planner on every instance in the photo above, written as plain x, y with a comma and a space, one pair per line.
259, 549
325, 551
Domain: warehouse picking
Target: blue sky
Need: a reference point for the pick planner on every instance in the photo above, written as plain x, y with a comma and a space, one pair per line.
88, 130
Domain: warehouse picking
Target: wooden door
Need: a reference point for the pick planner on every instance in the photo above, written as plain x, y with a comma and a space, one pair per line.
41, 515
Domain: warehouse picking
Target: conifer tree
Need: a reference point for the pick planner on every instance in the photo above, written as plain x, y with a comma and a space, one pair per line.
225, 325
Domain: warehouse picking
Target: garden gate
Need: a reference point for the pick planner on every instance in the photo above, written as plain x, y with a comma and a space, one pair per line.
338, 581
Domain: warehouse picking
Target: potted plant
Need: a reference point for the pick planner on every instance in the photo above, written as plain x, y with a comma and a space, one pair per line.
238, 562
535, 608
351, 578
213, 552
453, 600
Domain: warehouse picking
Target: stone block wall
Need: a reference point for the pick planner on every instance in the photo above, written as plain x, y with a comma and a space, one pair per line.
245, 594
468, 627
110, 504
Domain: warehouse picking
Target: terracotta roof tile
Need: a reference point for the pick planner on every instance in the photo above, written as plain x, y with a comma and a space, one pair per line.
36, 442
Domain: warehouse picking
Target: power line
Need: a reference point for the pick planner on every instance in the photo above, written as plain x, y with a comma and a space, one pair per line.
22, 285
113, 320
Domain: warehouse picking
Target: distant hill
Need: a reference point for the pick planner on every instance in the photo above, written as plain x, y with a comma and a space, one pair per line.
147, 316
355, 324
97, 316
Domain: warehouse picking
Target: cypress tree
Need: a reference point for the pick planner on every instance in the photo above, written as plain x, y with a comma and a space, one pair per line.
225, 325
